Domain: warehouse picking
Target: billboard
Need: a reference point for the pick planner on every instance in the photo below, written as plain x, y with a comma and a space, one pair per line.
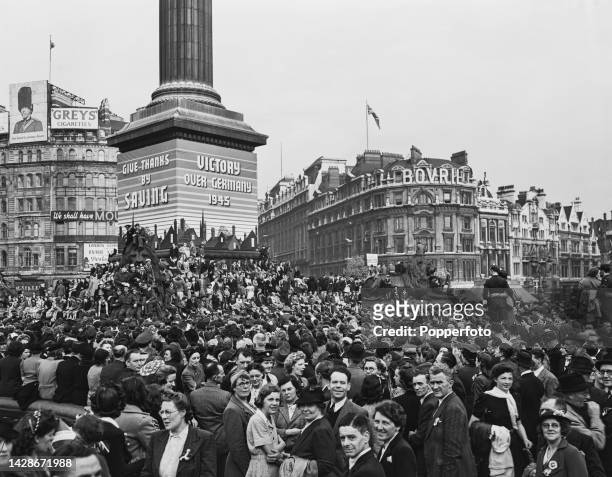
96, 253
74, 118
4, 123
29, 110
84, 216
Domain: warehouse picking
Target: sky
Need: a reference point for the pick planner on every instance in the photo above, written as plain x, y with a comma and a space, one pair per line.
524, 86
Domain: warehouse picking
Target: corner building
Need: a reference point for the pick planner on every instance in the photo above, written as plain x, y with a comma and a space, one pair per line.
58, 201
396, 208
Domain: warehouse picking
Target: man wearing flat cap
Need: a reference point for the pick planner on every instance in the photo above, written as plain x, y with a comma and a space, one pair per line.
28, 124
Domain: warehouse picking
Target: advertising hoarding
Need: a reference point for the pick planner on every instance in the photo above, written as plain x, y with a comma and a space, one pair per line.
84, 215
4, 122
96, 253
74, 118
29, 110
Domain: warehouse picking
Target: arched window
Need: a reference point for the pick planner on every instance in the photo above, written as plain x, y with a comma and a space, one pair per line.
423, 198
28, 229
4, 228
492, 232
3, 158
19, 182
59, 180
60, 154
101, 156
20, 157
3, 259
101, 203
38, 155
38, 182
89, 203
89, 180
29, 181
89, 154
501, 232
72, 155
72, 182
101, 180
35, 229
29, 156
72, 203
3, 206
27, 257
3, 182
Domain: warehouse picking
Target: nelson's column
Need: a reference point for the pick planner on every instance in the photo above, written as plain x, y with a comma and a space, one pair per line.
185, 155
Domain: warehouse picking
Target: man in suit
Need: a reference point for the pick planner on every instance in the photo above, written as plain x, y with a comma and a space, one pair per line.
549, 380
427, 407
356, 353
340, 405
208, 404
112, 371
447, 442
316, 441
531, 391
69, 378
354, 431
289, 418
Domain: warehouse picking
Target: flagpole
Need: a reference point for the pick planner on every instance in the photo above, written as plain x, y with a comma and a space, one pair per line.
367, 131
51, 45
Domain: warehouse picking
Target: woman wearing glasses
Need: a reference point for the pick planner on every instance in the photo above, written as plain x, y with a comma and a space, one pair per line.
558, 458
180, 449
235, 420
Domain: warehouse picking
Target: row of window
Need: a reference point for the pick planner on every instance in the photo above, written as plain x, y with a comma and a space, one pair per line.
25, 229
87, 203
28, 258
60, 154
61, 180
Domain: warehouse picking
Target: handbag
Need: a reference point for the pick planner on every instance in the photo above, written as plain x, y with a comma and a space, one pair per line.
295, 466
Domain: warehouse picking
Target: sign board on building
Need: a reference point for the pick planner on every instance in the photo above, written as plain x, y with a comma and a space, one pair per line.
29, 111
371, 259
96, 253
28, 287
84, 215
4, 122
184, 179
74, 118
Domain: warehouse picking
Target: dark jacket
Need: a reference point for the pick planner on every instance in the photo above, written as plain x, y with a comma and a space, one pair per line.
317, 442
209, 403
235, 420
531, 390
447, 443
111, 371
568, 462
399, 459
417, 440
10, 376
70, 385
202, 461
368, 466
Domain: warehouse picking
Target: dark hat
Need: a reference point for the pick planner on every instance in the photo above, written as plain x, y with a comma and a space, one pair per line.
6, 430
281, 353
310, 397
581, 365
371, 389
605, 359
557, 414
356, 351
262, 356
523, 359
192, 336
494, 268
24, 97
572, 383
144, 338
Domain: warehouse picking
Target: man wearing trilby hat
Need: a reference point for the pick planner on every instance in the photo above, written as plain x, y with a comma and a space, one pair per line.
28, 124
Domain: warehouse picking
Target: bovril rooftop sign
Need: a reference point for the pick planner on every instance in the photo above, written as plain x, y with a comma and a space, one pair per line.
427, 175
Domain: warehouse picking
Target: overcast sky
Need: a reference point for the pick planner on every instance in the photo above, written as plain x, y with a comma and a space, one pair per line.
524, 86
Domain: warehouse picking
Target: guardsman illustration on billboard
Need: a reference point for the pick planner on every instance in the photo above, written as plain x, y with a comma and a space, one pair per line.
29, 112
28, 123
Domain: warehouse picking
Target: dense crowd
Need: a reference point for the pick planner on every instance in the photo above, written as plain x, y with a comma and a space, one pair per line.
189, 366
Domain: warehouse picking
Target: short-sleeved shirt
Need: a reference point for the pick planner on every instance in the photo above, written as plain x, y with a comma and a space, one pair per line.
261, 431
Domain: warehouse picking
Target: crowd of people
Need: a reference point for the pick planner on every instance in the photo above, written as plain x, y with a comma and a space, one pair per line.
198, 367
